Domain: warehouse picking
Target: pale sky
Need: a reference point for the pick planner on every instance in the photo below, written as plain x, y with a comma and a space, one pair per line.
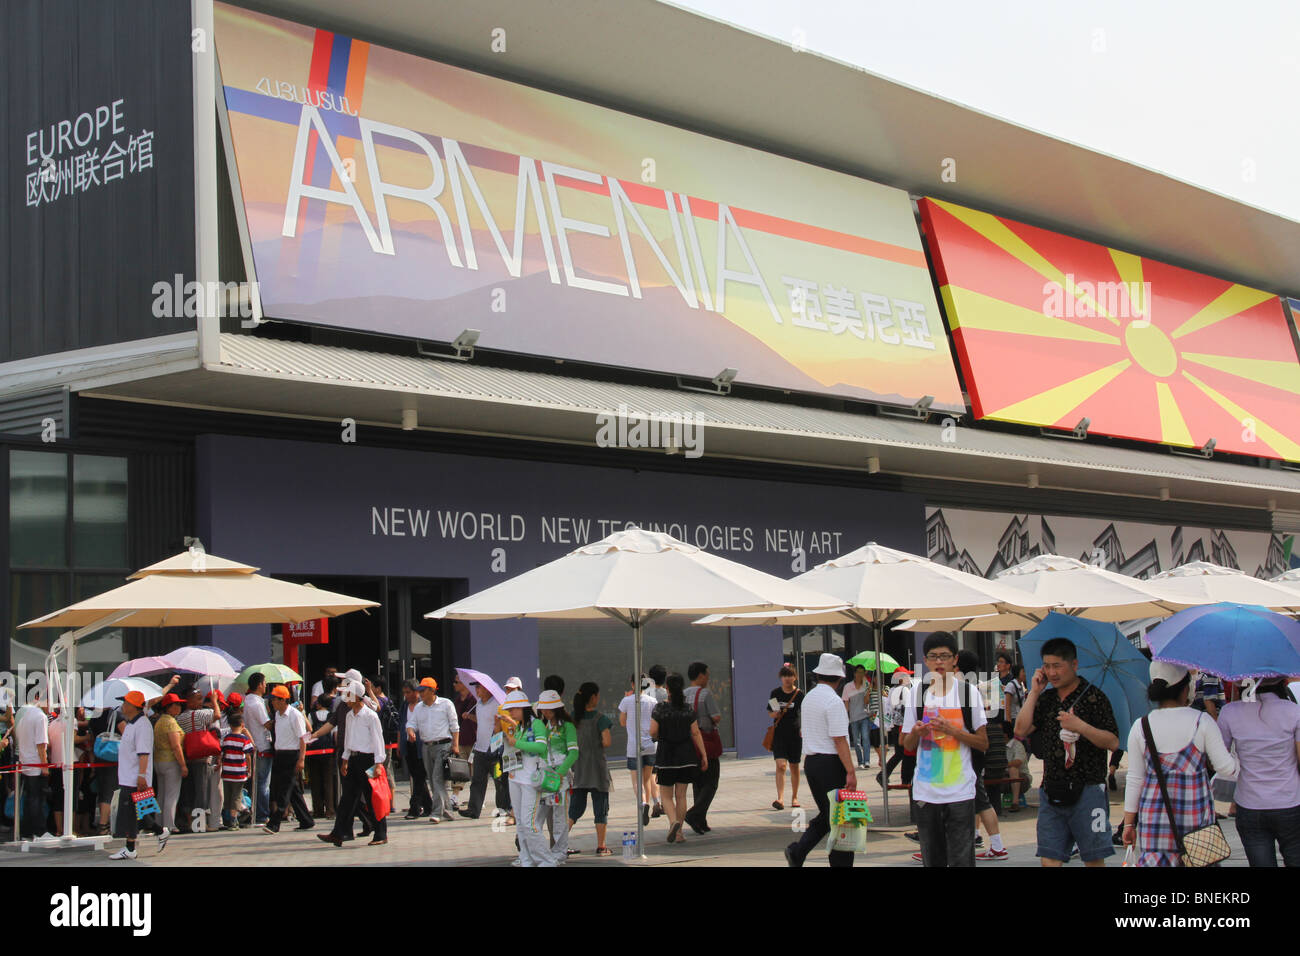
1200, 90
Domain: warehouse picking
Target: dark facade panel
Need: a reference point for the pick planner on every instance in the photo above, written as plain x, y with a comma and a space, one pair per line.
97, 176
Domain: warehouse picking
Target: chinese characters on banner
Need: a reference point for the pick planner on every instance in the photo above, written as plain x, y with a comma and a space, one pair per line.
74, 156
902, 323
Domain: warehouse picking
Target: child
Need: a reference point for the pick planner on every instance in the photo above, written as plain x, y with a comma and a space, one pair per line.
1018, 767
236, 745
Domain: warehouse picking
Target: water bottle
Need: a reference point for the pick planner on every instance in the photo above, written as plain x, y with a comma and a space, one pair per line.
629, 846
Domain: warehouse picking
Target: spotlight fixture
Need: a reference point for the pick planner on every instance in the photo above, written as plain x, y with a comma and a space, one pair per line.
410, 419
919, 410
1205, 451
462, 347
873, 465
721, 383
1032, 480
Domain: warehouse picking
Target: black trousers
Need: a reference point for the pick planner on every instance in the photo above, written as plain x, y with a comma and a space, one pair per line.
703, 790
823, 772
285, 790
483, 763
356, 797
32, 814
421, 799
897, 755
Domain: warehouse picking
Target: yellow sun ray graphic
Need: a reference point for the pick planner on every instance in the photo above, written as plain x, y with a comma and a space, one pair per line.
1280, 443
1235, 299
1129, 268
1173, 428
1282, 375
1051, 405
974, 310
998, 233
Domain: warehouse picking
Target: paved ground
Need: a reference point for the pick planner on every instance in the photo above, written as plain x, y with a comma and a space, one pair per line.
746, 832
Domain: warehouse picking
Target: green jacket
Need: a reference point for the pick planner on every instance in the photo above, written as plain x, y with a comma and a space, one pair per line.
561, 740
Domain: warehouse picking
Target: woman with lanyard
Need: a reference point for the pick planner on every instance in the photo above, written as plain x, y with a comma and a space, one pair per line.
527, 770
559, 750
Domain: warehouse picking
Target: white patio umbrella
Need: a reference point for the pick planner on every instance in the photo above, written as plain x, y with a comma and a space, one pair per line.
1200, 582
108, 693
1289, 579
1074, 587
879, 586
634, 576
191, 589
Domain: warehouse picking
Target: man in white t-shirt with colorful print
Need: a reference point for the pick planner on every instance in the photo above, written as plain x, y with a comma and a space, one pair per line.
942, 727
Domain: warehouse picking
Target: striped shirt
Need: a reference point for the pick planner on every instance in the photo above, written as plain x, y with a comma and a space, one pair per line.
235, 748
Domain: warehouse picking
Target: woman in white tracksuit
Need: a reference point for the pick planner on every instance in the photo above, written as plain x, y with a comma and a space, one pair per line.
523, 734
560, 754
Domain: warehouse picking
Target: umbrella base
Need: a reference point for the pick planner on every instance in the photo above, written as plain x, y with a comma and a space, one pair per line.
57, 843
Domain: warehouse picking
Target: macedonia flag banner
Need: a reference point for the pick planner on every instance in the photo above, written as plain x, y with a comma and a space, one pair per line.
1051, 330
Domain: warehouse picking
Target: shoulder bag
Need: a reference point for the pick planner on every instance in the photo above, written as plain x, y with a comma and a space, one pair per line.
770, 737
200, 744
713, 739
1203, 847
106, 744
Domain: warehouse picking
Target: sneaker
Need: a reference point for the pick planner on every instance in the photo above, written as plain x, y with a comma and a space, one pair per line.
1024, 801
123, 854
658, 810
162, 840
979, 841
917, 858
496, 813
431, 820
992, 854
789, 855
913, 835
268, 828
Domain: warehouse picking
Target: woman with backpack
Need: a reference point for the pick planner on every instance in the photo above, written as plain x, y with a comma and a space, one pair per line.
1174, 740
591, 772
676, 729
1266, 733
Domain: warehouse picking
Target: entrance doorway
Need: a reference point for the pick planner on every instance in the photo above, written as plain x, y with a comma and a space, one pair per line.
394, 640
802, 647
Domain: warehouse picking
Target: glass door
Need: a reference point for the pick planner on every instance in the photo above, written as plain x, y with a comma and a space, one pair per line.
802, 648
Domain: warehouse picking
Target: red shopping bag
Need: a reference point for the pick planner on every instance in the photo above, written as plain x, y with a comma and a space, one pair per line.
381, 794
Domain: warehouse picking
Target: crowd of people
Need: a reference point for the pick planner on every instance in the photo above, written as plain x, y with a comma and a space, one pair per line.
957, 739
962, 746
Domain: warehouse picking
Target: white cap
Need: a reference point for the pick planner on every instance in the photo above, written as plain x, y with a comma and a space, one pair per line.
514, 683
830, 665
1168, 672
516, 698
550, 700
352, 674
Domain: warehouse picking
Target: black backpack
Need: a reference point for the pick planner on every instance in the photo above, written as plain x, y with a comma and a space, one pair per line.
977, 757
389, 720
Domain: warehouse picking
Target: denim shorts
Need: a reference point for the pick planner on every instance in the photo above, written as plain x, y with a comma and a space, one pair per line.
1087, 823
647, 760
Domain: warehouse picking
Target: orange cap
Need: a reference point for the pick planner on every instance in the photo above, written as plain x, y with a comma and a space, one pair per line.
281, 691
134, 697
430, 683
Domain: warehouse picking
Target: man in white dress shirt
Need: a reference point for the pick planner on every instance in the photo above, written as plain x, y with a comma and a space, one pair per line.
828, 762
438, 730
363, 748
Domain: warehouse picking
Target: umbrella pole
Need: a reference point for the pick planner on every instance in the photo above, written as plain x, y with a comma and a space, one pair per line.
636, 729
880, 716
69, 737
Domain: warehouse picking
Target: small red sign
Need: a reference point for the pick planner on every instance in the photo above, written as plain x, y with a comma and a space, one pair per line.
308, 632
